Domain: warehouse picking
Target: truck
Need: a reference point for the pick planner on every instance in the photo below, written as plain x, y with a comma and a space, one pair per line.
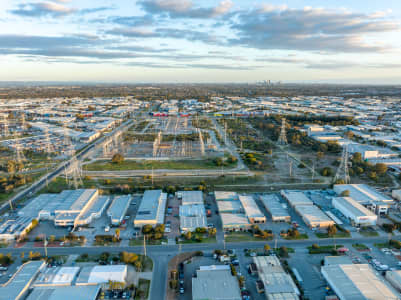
208, 213
225, 258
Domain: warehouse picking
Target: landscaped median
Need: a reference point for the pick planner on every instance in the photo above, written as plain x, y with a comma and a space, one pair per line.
330, 249
335, 231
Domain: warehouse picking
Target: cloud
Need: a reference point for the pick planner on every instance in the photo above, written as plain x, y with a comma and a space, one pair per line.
86, 11
185, 8
271, 27
42, 9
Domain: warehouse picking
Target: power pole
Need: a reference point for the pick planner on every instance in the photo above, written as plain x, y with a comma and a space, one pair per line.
342, 171
282, 139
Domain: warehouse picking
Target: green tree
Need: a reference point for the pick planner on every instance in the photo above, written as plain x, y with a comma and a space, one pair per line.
381, 168
331, 230
345, 193
117, 158
266, 247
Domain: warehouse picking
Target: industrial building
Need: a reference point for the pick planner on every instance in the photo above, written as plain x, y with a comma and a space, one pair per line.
225, 196
354, 211
65, 293
192, 216
118, 208
277, 210
61, 276
277, 284
15, 228
367, 196
313, 216
295, 198
18, 285
152, 208
190, 197
252, 210
68, 208
357, 282
232, 207
396, 194
234, 222
394, 277
215, 283
102, 274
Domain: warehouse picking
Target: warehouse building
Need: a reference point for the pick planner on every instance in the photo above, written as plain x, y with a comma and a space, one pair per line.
354, 211
152, 208
61, 276
252, 210
15, 229
234, 222
367, 196
357, 282
215, 283
95, 275
225, 196
295, 198
277, 284
232, 207
190, 197
275, 208
118, 208
192, 217
394, 277
65, 293
18, 285
396, 194
313, 216
67, 207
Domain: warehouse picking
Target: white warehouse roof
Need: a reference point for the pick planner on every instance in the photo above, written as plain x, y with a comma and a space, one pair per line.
250, 207
295, 198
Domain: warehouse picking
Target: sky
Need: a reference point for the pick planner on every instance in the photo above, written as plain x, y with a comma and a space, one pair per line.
173, 41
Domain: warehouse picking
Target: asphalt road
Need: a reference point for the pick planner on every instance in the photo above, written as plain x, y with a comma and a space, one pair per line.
162, 254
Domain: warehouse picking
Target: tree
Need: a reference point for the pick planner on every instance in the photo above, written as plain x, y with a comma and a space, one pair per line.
118, 233
138, 265
52, 238
117, 158
266, 247
345, 193
319, 155
331, 230
357, 157
188, 235
381, 168
146, 229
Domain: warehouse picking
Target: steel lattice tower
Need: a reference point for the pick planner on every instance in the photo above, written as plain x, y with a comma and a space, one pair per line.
282, 139
342, 171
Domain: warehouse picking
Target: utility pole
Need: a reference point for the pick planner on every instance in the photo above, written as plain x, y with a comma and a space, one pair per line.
45, 245
144, 245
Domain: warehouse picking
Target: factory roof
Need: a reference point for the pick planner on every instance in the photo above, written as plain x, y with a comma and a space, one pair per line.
224, 206
251, 208
357, 281
102, 274
119, 206
234, 219
191, 197
337, 260
15, 287
362, 193
191, 223
296, 198
225, 196
192, 210
57, 276
96, 206
152, 206
313, 214
275, 280
215, 285
354, 207
65, 293
273, 205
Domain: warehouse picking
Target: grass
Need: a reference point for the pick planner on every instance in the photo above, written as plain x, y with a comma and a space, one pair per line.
341, 234
147, 263
139, 242
205, 240
369, 232
3, 245
323, 249
382, 245
360, 247
143, 289
148, 165
302, 236
242, 237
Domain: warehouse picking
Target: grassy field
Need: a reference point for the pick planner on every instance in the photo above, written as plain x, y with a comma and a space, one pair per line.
369, 232
148, 165
143, 289
204, 240
340, 234
241, 237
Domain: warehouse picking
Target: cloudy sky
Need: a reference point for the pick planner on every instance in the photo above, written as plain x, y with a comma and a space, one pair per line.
356, 41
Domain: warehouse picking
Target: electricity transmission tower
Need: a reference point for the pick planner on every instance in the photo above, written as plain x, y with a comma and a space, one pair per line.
19, 152
342, 171
282, 139
75, 172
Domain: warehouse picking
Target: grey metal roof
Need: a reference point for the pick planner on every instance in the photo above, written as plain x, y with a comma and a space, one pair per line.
274, 206
65, 293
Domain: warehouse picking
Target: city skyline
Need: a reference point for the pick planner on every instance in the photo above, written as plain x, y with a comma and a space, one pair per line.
208, 41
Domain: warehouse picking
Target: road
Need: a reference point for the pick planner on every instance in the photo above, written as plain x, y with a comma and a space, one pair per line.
40, 183
162, 254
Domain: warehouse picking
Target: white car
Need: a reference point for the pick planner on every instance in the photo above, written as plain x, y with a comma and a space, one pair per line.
167, 230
